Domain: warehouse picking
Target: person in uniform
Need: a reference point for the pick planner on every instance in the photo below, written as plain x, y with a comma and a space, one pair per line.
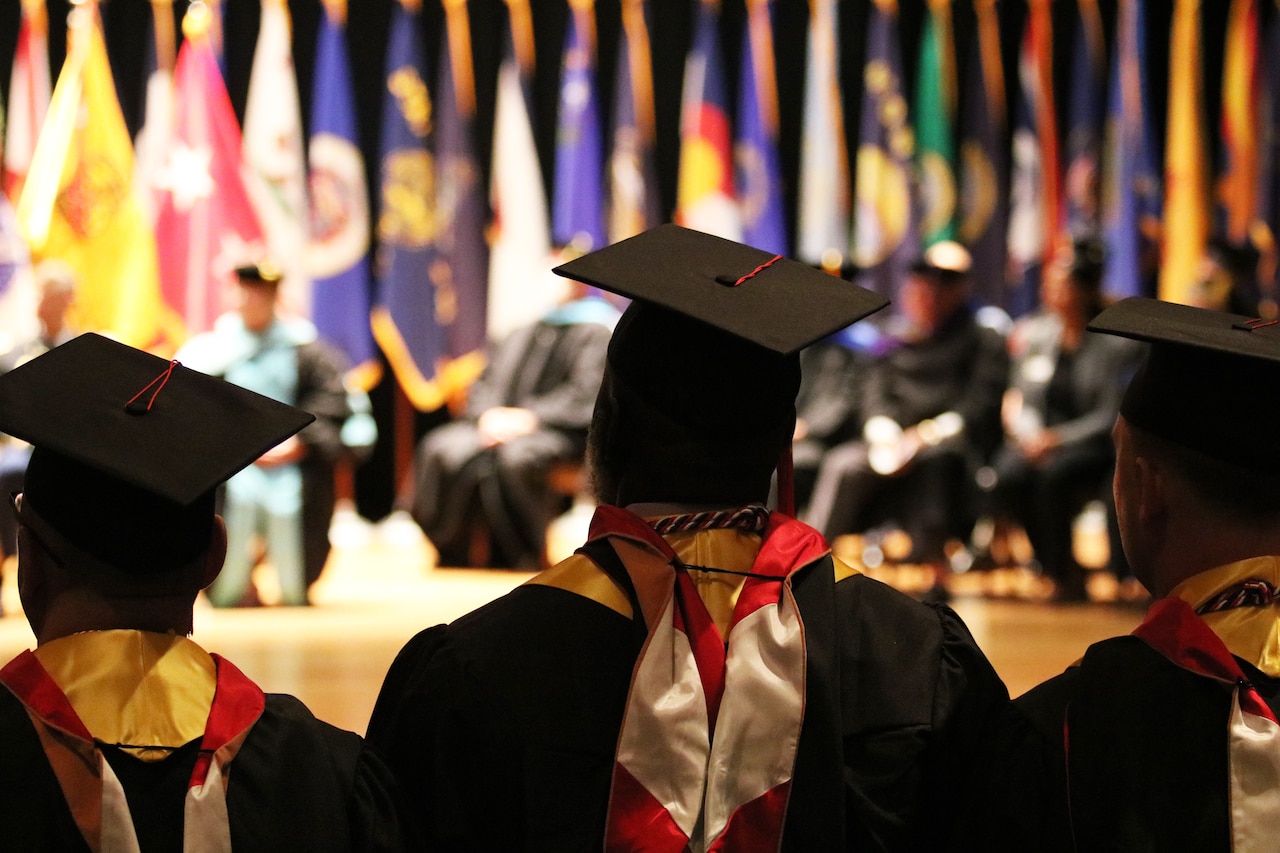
931, 405
118, 732
486, 473
701, 674
1167, 739
286, 497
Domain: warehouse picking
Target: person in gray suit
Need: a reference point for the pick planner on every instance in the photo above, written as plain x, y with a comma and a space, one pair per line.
1064, 393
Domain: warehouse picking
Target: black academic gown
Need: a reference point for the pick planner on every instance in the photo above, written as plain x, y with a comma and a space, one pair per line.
297, 784
501, 727
551, 369
1147, 766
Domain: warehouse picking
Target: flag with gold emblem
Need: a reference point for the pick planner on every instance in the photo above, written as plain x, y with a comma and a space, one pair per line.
79, 205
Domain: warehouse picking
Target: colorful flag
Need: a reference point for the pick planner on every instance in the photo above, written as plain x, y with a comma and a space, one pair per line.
405, 320
521, 285
461, 272
1033, 206
205, 224
1131, 198
934, 116
79, 205
273, 145
885, 228
18, 320
704, 191
758, 178
1186, 213
577, 213
29, 92
822, 227
1086, 113
151, 145
1241, 106
984, 160
635, 204
338, 252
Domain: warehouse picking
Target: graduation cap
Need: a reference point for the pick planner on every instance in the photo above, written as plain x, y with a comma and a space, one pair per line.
128, 449
1209, 381
706, 353
757, 296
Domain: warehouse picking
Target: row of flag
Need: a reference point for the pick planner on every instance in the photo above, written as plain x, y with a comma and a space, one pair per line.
155, 238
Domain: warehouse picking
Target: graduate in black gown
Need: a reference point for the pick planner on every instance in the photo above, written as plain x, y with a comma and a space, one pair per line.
931, 418
118, 733
1167, 739
702, 671
487, 471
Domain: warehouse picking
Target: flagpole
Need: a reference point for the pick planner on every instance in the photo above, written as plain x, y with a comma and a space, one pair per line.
166, 38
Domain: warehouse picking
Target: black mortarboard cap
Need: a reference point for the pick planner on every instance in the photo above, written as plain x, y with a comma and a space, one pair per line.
128, 447
1209, 381
780, 304
706, 353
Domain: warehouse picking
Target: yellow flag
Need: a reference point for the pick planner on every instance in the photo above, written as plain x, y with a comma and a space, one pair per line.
1186, 213
79, 205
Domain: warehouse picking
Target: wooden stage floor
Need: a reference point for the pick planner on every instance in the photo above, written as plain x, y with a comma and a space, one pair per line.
381, 587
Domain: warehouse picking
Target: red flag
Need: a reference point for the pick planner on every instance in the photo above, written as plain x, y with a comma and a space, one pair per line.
29, 93
205, 225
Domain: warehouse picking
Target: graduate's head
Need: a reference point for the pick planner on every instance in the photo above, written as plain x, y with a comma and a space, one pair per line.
698, 398
937, 285
127, 451
1072, 287
1197, 421
259, 289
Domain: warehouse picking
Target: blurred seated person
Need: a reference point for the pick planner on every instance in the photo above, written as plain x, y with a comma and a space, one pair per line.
55, 283
1227, 279
258, 348
932, 408
828, 406
1064, 394
486, 473
117, 732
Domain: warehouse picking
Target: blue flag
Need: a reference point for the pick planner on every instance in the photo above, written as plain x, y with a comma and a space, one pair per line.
1033, 197
460, 275
634, 202
405, 319
338, 250
758, 176
1086, 113
984, 161
577, 209
886, 236
1132, 193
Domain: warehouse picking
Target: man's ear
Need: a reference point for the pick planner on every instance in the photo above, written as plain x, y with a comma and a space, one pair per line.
1153, 490
216, 554
33, 580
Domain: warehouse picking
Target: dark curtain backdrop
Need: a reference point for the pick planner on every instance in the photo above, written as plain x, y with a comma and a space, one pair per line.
128, 29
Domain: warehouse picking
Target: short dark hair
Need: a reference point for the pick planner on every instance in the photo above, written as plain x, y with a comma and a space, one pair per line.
1250, 494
